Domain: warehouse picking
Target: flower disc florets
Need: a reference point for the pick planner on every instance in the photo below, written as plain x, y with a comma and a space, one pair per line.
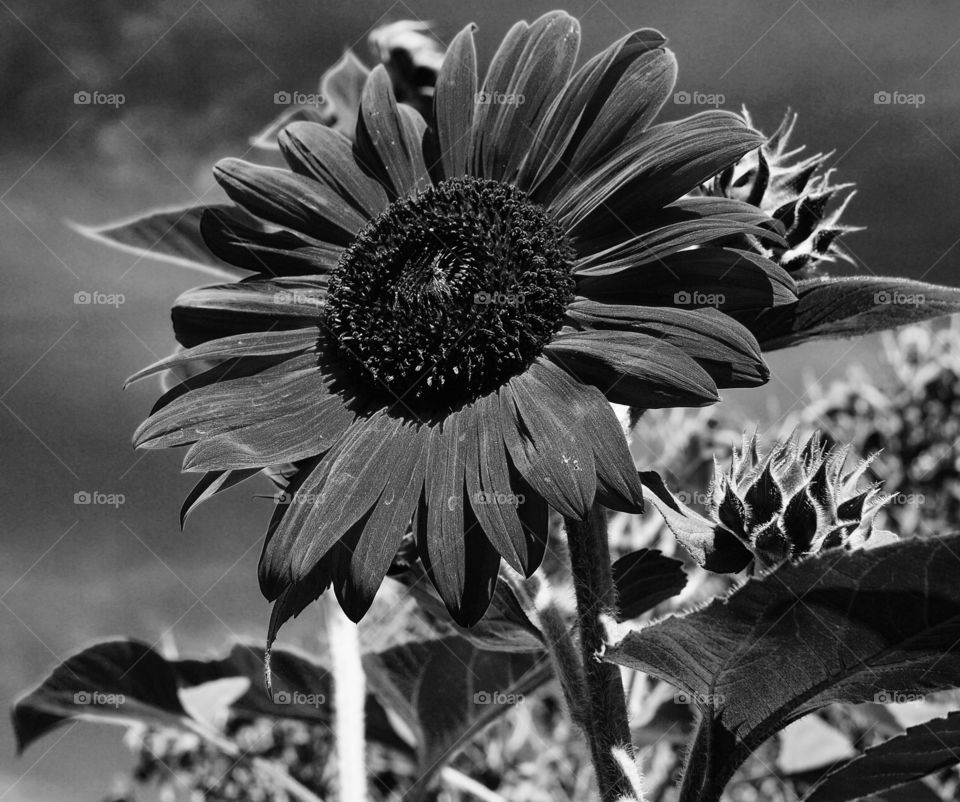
449, 293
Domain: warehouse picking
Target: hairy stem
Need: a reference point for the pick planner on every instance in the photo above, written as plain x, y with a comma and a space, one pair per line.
349, 690
605, 709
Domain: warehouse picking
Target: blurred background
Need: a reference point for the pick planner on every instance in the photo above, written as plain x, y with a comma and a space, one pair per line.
185, 82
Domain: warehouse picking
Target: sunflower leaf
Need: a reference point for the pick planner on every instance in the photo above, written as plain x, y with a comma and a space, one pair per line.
644, 578
847, 307
875, 621
921, 750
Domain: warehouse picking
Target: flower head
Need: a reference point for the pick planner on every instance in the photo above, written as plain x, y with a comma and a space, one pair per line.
792, 502
439, 311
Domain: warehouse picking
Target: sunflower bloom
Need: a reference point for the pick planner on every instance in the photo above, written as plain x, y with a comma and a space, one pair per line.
441, 310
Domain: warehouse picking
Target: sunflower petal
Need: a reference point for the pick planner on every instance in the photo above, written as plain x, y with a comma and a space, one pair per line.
725, 278
286, 199
687, 223
520, 103
715, 341
454, 103
265, 343
358, 573
618, 485
229, 405
284, 437
320, 152
390, 137
575, 109
489, 489
211, 484
550, 454
272, 253
634, 369
654, 168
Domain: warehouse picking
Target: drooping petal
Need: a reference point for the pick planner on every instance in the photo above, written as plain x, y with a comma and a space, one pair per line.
209, 485
724, 278
551, 456
390, 137
715, 341
321, 153
634, 369
654, 168
584, 407
453, 105
359, 567
231, 404
575, 111
302, 432
289, 200
270, 253
491, 493
519, 101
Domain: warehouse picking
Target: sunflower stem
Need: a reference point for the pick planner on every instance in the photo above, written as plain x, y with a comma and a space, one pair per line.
349, 692
605, 709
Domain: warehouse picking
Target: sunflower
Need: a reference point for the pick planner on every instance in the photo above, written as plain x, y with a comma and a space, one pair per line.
441, 310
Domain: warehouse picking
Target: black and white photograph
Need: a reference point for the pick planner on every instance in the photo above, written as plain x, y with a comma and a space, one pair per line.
422, 401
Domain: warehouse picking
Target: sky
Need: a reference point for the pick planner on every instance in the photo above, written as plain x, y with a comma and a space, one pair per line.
197, 77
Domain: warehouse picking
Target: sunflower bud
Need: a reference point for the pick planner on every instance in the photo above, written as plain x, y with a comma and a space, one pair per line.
793, 502
797, 191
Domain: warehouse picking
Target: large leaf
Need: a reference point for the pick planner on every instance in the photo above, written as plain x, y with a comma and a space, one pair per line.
120, 680
170, 235
447, 690
126, 681
644, 578
848, 307
921, 750
840, 627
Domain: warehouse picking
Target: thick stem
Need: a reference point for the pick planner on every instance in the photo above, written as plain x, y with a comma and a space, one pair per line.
605, 707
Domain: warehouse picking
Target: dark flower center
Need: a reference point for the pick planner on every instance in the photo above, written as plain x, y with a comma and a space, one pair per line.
448, 294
